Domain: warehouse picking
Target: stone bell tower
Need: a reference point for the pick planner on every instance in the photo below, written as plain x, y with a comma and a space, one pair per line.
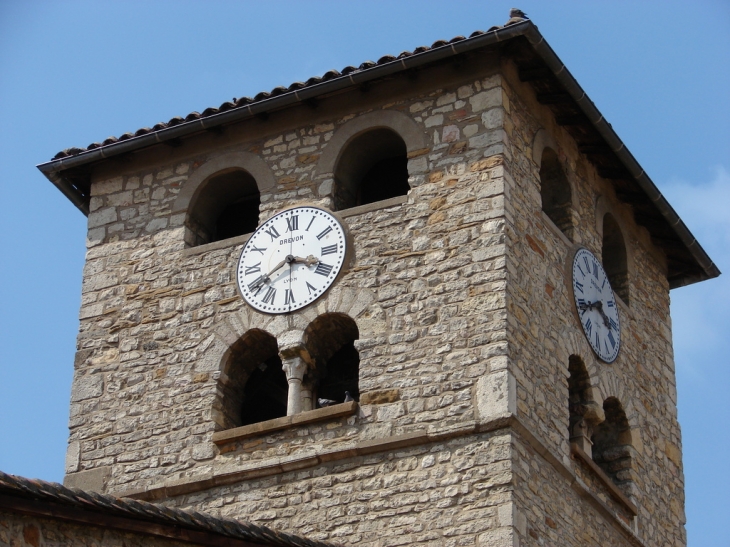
451, 379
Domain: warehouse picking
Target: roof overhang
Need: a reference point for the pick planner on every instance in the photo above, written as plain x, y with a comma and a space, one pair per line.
537, 63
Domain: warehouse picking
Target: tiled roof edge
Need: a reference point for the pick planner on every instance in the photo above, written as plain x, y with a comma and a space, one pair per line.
140, 510
606, 131
280, 97
334, 81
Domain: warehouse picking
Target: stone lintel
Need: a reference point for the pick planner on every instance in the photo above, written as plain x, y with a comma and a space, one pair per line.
375, 206
269, 426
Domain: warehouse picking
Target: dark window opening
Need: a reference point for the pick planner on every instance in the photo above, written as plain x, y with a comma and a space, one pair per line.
612, 449
373, 167
555, 192
265, 394
226, 205
253, 386
614, 257
330, 341
578, 394
342, 375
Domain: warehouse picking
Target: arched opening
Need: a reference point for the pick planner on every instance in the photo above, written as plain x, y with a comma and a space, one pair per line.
253, 386
330, 340
372, 167
226, 205
614, 257
555, 192
612, 449
580, 404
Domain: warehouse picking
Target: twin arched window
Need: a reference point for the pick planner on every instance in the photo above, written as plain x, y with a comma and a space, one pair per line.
253, 386
372, 166
556, 199
602, 433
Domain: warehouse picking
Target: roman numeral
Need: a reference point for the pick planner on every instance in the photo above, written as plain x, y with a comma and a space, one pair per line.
598, 341
579, 286
611, 339
324, 232
329, 249
255, 287
323, 269
610, 304
589, 327
588, 264
613, 324
595, 270
258, 250
310, 288
272, 232
292, 223
604, 282
309, 225
253, 269
269, 296
288, 297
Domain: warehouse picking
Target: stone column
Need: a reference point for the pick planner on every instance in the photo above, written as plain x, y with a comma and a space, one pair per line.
580, 435
296, 360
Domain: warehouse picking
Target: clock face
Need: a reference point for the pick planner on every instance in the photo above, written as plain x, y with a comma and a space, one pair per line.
596, 305
291, 260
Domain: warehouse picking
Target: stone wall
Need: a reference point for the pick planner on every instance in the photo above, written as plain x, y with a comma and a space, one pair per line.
460, 295
450, 493
425, 290
544, 330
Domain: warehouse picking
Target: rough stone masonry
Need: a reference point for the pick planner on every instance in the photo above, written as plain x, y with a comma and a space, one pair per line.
461, 294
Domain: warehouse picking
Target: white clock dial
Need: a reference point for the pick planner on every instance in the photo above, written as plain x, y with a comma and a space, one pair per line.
596, 305
291, 260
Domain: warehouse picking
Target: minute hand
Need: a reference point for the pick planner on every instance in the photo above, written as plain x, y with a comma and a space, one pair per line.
599, 306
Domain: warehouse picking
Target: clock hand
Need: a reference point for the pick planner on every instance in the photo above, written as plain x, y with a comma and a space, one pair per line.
599, 306
311, 260
288, 260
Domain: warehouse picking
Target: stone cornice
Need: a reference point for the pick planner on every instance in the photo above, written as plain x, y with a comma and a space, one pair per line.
508, 423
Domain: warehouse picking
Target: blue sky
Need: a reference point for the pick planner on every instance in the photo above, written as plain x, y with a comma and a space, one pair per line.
75, 72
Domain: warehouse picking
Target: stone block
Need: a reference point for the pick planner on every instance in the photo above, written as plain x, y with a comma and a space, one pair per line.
87, 387
102, 216
94, 480
496, 395
380, 397
486, 99
107, 186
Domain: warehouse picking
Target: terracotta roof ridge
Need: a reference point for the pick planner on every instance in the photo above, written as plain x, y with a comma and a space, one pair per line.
263, 95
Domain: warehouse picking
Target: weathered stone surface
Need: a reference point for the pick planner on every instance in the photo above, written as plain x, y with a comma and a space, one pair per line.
94, 480
461, 297
87, 387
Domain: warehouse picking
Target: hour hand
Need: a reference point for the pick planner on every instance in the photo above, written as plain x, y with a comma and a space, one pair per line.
311, 260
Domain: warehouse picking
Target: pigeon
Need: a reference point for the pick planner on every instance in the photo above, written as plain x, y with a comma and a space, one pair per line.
516, 16
348, 397
326, 402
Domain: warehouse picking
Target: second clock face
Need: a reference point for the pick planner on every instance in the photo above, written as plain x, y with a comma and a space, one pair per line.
596, 305
291, 260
